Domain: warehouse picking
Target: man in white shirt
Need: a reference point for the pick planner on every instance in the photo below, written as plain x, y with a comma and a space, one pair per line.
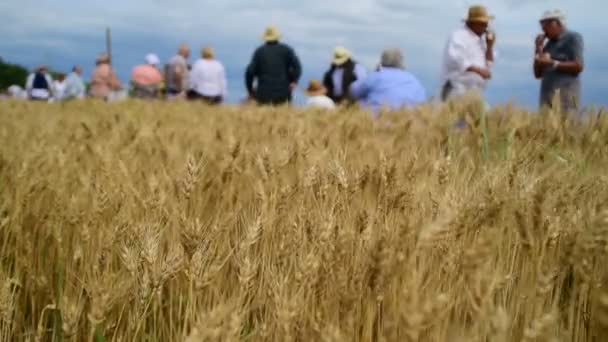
468, 56
208, 79
39, 85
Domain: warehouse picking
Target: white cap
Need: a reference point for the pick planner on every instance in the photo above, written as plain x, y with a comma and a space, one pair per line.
152, 59
553, 14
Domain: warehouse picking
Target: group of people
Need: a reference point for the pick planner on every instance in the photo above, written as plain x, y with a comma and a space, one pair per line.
467, 67
275, 71
40, 86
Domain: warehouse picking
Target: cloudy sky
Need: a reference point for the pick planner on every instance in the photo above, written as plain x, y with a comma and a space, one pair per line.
62, 33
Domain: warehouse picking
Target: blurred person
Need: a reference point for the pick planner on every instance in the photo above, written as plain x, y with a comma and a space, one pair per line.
39, 85
390, 87
104, 83
177, 73
74, 85
558, 62
343, 72
146, 79
208, 79
276, 69
59, 86
468, 56
317, 97
16, 92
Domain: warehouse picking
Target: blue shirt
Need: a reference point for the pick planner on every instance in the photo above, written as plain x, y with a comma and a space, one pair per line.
338, 75
74, 87
566, 48
389, 88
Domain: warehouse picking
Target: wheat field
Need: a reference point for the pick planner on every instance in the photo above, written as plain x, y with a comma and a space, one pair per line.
181, 222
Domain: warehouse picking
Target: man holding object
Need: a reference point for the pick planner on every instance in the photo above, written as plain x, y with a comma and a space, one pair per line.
468, 55
559, 62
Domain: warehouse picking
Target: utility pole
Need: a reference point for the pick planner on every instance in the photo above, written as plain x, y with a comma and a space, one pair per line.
109, 43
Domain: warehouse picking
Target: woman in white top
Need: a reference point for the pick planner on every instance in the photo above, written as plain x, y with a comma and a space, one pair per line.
208, 79
59, 87
317, 97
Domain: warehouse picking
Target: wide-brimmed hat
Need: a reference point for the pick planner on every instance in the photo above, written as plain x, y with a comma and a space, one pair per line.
207, 52
152, 59
271, 34
103, 58
553, 15
479, 14
315, 87
341, 55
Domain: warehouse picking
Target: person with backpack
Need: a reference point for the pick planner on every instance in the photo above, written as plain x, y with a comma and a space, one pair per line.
343, 72
39, 85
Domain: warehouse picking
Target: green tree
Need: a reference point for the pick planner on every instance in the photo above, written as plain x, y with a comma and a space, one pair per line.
11, 74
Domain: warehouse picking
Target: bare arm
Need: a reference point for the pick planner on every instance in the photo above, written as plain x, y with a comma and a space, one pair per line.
538, 51
251, 73
538, 69
490, 52
179, 76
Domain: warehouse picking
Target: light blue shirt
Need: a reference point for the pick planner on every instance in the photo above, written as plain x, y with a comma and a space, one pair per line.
74, 87
389, 88
338, 76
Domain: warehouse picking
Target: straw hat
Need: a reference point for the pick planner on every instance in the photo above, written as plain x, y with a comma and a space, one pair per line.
152, 59
208, 52
553, 15
341, 55
479, 14
315, 88
271, 34
103, 58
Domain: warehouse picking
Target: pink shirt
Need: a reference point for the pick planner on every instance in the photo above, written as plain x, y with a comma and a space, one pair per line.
146, 75
103, 81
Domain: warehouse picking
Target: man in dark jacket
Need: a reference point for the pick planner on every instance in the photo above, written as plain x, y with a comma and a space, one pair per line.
276, 68
343, 72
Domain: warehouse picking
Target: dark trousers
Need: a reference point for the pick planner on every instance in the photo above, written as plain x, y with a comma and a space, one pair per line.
212, 100
275, 101
446, 90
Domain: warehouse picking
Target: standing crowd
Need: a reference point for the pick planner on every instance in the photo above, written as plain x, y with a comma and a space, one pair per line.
275, 71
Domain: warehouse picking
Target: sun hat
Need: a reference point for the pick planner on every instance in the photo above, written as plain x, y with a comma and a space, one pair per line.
103, 58
341, 55
152, 59
553, 14
479, 14
271, 34
207, 52
315, 88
